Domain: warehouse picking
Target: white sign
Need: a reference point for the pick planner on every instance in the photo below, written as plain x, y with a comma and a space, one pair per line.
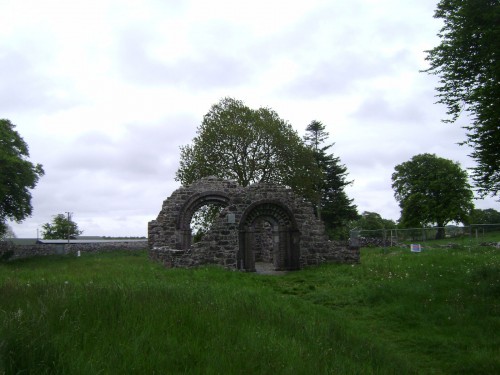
415, 248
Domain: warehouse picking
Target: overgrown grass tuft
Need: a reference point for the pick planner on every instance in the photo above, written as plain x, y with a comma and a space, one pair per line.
396, 312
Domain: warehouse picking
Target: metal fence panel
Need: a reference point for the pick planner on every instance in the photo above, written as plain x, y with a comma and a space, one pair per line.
474, 234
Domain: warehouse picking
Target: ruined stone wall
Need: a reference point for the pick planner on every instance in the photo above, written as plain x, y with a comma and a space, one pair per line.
167, 229
169, 235
11, 251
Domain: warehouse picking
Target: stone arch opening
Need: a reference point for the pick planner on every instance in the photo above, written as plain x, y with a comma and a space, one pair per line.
296, 237
284, 251
193, 204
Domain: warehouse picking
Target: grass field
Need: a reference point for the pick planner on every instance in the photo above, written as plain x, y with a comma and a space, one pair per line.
435, 312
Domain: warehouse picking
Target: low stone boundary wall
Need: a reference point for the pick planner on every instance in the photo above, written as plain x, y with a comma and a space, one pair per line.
9, 251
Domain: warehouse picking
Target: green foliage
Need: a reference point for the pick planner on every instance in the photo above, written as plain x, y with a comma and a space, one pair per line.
488, 216
203, 219
373, 221
18, 175
246, 145
432, 190
467, 63
485, 220
329, 179
372, 224
8, 233
435, 312
61, 227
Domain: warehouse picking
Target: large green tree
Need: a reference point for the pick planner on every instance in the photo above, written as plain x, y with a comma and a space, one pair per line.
17, 176
246, 145
468, 67
62, 227
329, 178
432, 190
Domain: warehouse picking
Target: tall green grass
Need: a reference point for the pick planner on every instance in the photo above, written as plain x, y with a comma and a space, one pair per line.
438, 309
396, 312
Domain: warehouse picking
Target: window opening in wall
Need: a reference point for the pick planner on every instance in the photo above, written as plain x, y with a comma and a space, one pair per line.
203, 219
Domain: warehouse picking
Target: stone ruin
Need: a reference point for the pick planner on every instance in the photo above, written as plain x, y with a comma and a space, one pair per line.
260, 223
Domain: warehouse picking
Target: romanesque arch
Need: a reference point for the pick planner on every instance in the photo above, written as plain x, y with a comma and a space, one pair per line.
192, 204
252, 218
285, 236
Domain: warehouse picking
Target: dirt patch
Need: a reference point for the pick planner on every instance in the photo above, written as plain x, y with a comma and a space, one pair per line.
267, 269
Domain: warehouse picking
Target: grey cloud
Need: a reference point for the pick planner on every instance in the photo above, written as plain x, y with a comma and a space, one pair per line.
143, 151
333, 77
340, 45
208, 69
343, 72
410, 111
377, 109
227, 57
23, 87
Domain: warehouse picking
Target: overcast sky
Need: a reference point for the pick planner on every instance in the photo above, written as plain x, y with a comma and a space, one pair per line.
106, 91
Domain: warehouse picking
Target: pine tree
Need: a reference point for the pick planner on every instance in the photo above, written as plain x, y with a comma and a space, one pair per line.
331, 202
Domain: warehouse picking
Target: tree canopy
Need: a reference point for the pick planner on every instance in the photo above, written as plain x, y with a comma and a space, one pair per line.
246, 145
487, 216
374, 222
329, 179
432, 190
466, 62
18, 175
62, 227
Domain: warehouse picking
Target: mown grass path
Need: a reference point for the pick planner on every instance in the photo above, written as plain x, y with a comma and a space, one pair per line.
436, 312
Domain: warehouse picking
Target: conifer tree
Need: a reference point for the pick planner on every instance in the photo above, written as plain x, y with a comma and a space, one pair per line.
329, 177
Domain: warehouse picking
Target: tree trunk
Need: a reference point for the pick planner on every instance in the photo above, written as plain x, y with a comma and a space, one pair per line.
440, 232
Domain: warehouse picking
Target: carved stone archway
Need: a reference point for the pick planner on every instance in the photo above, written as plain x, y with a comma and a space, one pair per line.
285, 235
298, 237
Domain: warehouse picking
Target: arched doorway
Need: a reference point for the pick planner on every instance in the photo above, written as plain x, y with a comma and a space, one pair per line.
188, 210
268, 223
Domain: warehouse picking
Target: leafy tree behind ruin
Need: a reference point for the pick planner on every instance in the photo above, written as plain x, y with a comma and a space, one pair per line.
329, 178
18, 175
467, 64
61, 227
246, 145
432, 190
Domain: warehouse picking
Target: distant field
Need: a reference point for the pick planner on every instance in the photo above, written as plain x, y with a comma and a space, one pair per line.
395, 313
